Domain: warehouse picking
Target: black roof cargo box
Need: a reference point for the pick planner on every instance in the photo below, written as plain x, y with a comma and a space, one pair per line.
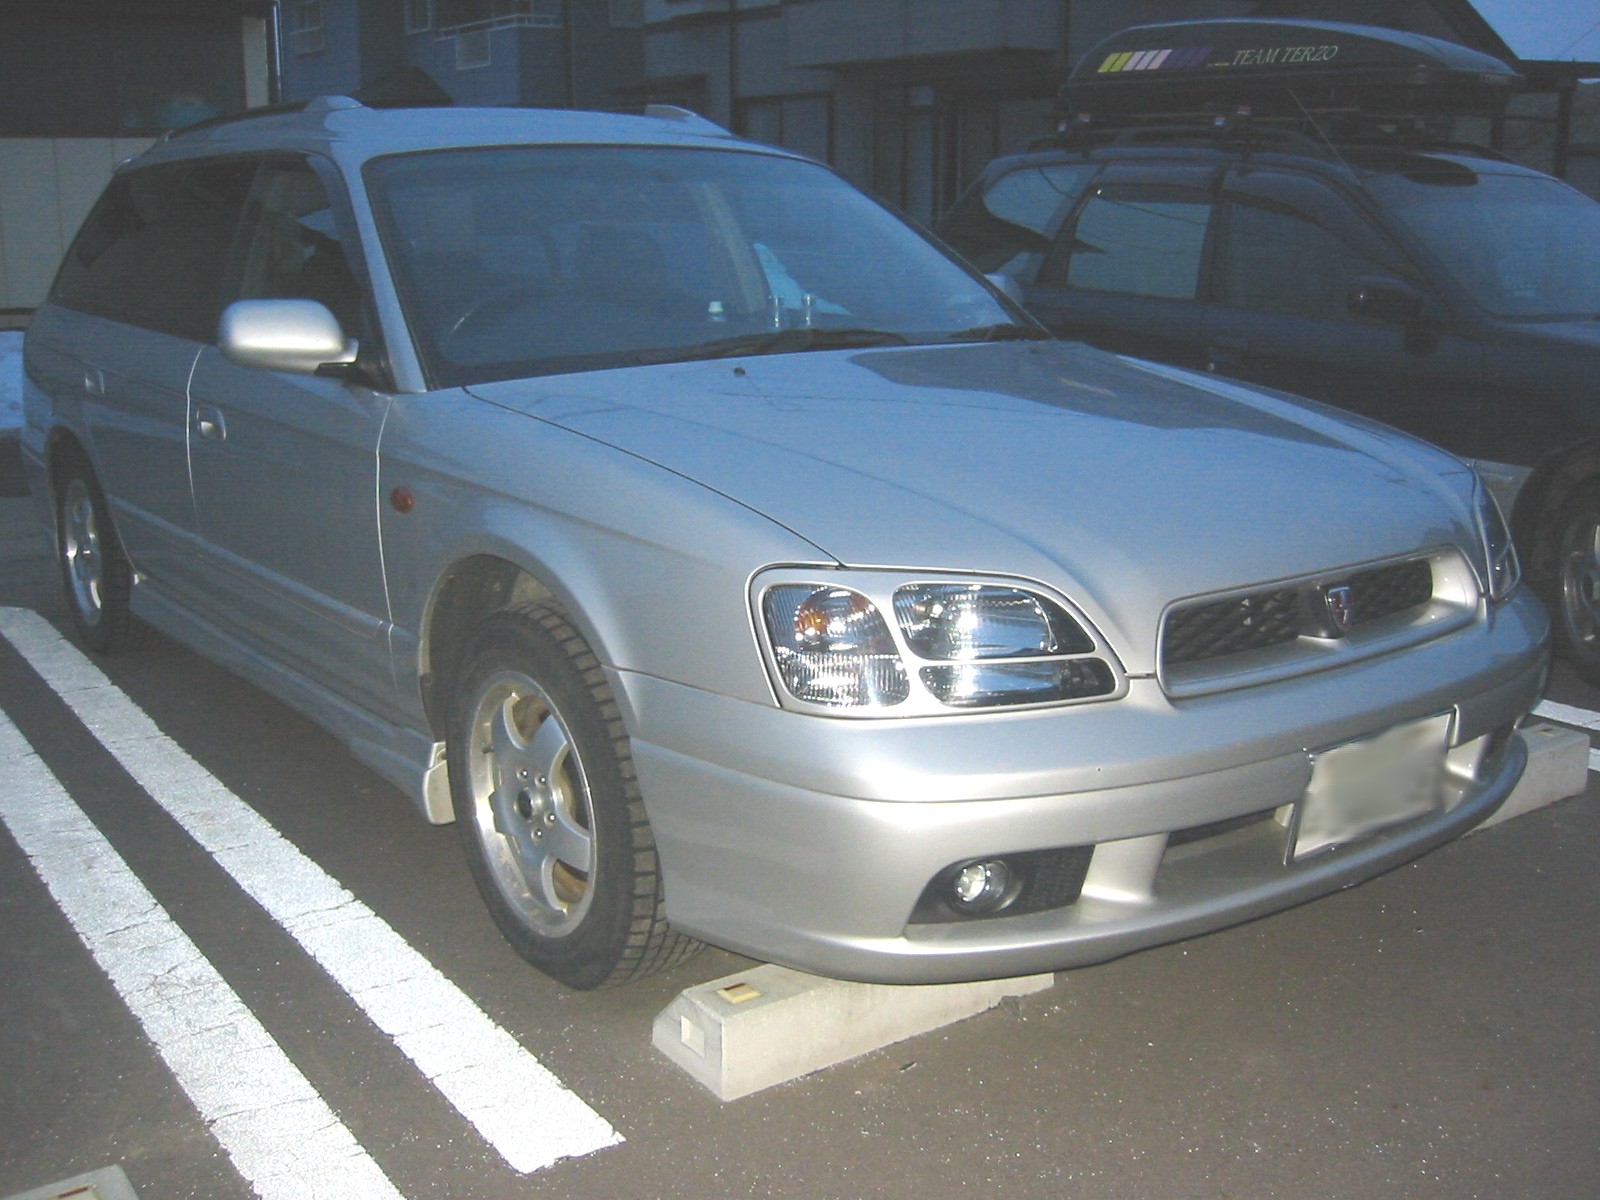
1285, 68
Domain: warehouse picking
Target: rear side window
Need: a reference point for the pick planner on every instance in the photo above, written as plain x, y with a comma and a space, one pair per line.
154, 250
1006, 226
1140, 240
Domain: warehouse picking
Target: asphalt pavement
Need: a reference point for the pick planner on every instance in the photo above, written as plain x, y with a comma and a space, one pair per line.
1433, 1033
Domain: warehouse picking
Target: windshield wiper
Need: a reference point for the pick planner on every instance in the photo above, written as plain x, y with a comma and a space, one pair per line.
791, 341
771, 341
1008, 331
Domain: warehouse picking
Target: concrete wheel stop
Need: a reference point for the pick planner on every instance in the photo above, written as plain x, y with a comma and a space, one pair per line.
768, 1025
1558, 767
107, 1184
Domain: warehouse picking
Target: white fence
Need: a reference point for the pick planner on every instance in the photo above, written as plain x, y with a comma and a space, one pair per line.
46, 187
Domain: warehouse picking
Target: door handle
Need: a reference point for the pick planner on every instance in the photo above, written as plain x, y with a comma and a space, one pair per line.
208, 423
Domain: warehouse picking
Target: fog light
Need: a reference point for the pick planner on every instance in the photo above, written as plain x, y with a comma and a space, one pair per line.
981, 887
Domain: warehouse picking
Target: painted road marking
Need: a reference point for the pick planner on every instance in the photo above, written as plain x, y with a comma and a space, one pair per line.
1583, 718
513, 1100
280, 1134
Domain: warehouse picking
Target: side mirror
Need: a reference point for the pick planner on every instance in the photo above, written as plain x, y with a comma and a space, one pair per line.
1007, 284
1384, 298
297, 336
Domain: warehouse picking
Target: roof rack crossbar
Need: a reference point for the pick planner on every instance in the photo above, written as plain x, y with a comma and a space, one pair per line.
1237, 129
1314, 133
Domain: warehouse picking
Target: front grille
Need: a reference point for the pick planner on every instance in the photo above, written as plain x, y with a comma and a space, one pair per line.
1200, 833
1389, 590
1054, 878
1279, 615
1229, 626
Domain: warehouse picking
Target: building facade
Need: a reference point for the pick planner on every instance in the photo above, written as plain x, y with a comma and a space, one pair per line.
544, 53
87, 83
911, 97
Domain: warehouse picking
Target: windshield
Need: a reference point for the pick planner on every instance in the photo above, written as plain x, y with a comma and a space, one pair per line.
517, 261
1523, 245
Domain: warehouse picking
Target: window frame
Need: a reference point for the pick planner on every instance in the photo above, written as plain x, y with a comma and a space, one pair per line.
1056, 269
780, 103
974, 208
305, 36
247, 229
1205, 177
130, 315
411, 319
463, 63
1325, 204
625, 14
412, 21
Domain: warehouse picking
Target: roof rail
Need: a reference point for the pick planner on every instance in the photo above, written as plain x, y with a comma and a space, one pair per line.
320, 105
673, 112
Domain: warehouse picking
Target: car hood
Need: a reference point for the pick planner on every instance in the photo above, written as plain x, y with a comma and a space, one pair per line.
1125, 485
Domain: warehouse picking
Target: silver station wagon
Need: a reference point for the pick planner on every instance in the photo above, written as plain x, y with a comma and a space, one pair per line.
731, 563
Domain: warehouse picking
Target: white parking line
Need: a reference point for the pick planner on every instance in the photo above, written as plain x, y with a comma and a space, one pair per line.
280, 1134
1566, 714
514, 1101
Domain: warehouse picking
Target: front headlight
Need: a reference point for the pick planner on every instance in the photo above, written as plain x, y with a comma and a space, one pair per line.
1505, 571
832, 647
952, 644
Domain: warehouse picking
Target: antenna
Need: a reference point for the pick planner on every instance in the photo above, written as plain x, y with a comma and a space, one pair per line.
1320, 132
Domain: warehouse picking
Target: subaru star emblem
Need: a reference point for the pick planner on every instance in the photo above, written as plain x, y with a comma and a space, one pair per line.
1340, 609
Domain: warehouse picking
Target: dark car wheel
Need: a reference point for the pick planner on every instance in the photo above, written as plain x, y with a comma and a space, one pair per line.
548, 807
95, 573
1577, 585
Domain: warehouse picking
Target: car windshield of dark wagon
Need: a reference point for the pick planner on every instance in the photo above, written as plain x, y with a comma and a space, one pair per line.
1524, 246
519, 261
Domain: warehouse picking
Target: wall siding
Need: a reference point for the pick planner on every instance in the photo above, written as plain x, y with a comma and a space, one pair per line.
47, 186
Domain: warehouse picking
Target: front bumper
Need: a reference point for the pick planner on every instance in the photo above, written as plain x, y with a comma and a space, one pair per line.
807, 841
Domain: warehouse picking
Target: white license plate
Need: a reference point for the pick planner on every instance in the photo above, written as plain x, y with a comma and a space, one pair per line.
1363, 786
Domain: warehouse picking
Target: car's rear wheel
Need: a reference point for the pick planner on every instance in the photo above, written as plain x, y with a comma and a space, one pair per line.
548, 806
1577, 585
95, 573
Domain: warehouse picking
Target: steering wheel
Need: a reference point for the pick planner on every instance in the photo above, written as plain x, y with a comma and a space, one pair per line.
498, 302
514, 294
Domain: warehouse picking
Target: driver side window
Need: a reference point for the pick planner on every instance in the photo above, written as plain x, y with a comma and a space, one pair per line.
289, 246
1280, 261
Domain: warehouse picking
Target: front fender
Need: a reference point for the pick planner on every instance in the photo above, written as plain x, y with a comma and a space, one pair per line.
651, 566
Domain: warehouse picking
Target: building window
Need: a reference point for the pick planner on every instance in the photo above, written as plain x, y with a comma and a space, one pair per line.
419, 16
471, 16
306, 34
802, 123
472, 50
906, 150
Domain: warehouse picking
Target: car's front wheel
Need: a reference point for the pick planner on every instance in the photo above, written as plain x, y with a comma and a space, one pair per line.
548, 806
95, 573
1577, 583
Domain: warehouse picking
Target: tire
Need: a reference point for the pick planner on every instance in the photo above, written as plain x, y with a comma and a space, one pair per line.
95, 573
548, 807
1575, 599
